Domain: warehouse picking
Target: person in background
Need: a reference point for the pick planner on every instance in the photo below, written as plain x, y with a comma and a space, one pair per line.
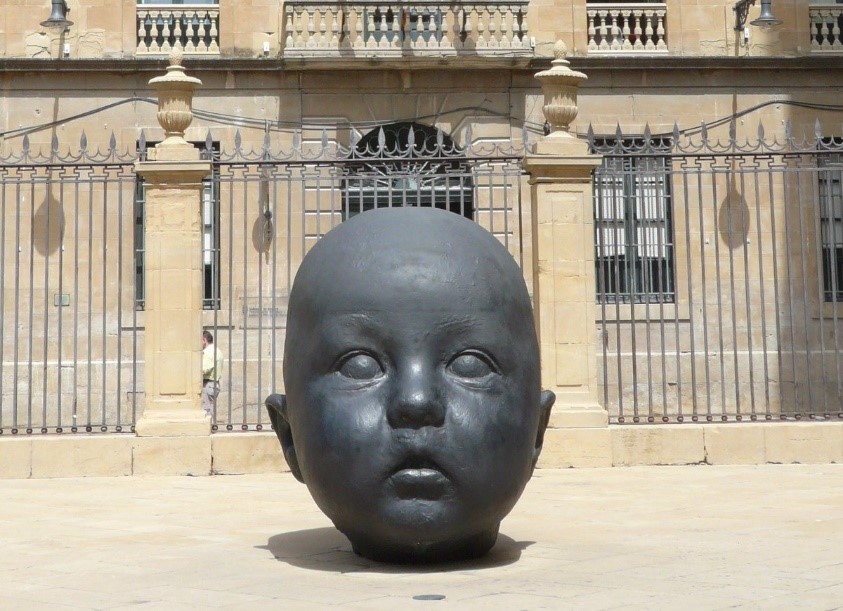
212, 362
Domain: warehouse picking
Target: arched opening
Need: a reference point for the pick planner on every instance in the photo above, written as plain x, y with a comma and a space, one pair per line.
407, 164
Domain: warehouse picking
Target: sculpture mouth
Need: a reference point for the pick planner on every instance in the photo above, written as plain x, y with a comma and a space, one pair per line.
418, 477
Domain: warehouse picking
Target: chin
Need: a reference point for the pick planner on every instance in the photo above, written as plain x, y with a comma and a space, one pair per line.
419, 531
414, 549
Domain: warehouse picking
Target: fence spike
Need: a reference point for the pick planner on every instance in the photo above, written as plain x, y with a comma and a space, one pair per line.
676, 134
760, 133
297, 141
324, 140
733, 132
238, 140
142, 144
704, 132
469, 137
411, 139
26, 145
355, 138
589, 134
54, 145
648, 136
381, 140
112, 144
83, 142
818, 130
788, 130
209, 141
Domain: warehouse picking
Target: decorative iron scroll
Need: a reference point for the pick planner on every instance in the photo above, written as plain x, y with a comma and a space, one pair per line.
326, 149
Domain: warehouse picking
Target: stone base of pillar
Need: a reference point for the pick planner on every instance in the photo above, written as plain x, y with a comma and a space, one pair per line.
173, 422
576, 447
583, 417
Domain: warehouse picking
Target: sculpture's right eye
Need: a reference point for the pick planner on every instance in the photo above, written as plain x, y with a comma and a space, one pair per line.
360, 366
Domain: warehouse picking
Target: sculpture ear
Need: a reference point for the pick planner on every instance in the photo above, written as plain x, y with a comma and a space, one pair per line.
546, 402
276, 407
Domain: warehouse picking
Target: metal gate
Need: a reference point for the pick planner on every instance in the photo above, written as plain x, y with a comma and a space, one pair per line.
719, 277
69, 329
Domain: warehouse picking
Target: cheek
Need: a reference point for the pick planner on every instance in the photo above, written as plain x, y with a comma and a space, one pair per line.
493, 426
339, 430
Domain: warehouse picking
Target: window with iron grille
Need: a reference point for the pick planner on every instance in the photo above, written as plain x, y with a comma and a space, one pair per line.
830, 195
210, 235
633, 225
407, 164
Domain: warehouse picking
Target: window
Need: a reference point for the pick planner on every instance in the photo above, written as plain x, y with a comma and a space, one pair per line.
633, 228
407, 164
210, 235
830, 194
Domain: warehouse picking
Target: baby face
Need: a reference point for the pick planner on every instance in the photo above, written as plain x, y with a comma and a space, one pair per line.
413, 402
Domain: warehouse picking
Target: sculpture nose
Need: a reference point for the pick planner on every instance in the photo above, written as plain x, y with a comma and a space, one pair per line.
417, 403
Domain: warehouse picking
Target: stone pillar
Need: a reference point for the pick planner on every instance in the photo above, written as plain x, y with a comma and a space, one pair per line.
173, 267
561, 168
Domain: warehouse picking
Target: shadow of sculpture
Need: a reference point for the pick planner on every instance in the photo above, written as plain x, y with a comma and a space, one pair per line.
326, 549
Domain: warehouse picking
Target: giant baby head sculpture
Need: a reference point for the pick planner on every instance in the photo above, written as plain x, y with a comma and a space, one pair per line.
413, 410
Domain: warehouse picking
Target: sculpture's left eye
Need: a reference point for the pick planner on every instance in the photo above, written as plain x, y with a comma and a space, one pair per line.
471, 365
360, 366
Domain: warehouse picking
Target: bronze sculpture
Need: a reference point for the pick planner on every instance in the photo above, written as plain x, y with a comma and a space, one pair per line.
413, 410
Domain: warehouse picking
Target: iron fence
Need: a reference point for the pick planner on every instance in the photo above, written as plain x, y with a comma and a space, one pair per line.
70, 341
719, 267
718, 273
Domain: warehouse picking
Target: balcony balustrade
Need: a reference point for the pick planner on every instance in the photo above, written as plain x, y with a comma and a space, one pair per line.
387, 28
826, 24
626, 28
194, 27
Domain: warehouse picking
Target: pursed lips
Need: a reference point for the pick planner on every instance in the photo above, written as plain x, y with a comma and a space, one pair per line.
419, 477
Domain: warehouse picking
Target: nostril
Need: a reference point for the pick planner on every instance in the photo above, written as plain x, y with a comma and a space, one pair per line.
417, 410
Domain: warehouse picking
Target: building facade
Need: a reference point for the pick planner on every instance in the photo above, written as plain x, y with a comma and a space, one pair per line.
716, 238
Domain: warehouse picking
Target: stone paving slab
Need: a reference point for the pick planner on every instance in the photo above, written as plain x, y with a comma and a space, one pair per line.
697, 537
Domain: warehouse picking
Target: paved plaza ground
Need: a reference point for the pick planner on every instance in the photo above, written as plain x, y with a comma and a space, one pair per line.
696, 537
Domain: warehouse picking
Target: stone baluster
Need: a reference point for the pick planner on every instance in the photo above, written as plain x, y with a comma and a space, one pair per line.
434, 35
336, 20
322, 14
356, 13
626, 34
370, 30
604, 30
639, 44
418, 29
143, 40
166, 32
661, 44
496, 26
482, 29
648, 32
183, 31
310, 40
447, 28
592, 30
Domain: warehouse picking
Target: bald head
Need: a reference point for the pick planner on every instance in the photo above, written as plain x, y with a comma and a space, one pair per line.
413, 410
386, 258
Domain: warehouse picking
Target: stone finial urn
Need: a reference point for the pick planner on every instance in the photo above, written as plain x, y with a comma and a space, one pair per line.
560, 85
175, 100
